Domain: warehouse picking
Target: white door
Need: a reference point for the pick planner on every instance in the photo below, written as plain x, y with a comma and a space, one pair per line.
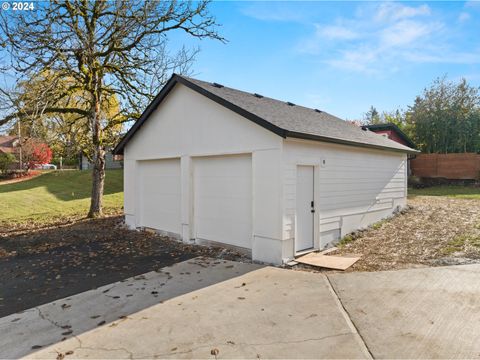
159, 194
305, 208
223, 199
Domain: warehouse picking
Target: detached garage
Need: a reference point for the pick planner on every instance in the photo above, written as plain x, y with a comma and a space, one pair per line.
213, 165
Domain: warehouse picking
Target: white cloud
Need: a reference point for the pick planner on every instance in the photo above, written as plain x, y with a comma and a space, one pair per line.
406, 32
336, 32
391, 11
464, 16
381, 38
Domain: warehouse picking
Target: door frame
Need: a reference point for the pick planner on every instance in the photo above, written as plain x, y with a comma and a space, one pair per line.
316, 215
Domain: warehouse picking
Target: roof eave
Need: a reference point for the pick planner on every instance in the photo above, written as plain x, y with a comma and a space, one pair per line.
118, 150
399, 131
304, 136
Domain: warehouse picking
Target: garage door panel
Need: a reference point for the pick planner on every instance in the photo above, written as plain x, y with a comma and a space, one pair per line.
226, 232
223, 199
159, 195
225, 187
230, 166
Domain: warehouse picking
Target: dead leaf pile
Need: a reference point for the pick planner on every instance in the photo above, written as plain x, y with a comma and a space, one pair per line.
420, 236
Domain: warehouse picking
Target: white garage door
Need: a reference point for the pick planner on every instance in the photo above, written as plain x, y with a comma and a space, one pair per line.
159, 194
223, 199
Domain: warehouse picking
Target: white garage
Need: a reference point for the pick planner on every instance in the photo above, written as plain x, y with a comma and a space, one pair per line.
211, 164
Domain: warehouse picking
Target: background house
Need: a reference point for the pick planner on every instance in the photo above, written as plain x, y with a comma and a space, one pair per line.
111, 161
9, 144
211, 164
393, 132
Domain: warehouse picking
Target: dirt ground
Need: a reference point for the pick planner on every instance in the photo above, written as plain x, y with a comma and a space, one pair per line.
40, 266
434, 231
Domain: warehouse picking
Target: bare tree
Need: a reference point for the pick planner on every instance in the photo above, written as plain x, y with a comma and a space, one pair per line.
104, 48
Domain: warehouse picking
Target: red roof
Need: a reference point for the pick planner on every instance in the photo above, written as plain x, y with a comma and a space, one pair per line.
8, 143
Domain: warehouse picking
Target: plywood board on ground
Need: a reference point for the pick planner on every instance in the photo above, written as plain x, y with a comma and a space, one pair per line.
327, 261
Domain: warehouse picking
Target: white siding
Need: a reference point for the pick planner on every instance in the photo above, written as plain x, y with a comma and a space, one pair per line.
354, 186
187, 123
267, 206
129, 189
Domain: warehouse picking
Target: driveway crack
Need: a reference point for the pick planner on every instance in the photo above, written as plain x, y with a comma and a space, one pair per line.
348, 319
130, 354
250, 344
44, 317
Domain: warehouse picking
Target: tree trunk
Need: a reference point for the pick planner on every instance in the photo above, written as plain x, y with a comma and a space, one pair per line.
98, 180
98, 173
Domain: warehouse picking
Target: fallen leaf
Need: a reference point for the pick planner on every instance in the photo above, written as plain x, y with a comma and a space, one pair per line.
214, 352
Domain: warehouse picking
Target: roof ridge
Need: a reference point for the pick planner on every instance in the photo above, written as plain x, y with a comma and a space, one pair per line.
285, 102
280, 117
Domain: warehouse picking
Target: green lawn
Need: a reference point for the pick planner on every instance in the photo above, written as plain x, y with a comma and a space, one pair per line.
55, 196
463, 192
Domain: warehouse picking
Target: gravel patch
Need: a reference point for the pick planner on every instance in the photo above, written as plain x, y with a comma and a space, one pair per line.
434, 231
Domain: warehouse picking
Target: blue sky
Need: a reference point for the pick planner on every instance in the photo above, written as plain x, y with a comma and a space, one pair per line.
341, 57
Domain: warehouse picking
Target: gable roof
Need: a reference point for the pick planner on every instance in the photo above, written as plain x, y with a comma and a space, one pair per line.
283, 118
8, 143
393, 127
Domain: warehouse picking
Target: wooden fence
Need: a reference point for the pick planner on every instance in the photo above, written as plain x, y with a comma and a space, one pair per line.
464, 166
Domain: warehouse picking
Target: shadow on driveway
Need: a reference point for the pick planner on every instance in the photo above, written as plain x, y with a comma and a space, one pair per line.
51, 264
72, 317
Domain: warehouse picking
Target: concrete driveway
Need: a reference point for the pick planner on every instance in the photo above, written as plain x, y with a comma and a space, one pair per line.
239, 310
428, 313
248, 311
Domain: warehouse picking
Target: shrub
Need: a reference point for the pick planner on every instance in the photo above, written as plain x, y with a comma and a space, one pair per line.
5, 161
36, 153
346, 240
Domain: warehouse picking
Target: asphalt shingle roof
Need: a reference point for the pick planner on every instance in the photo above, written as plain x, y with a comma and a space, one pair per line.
284, 118
299, 119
